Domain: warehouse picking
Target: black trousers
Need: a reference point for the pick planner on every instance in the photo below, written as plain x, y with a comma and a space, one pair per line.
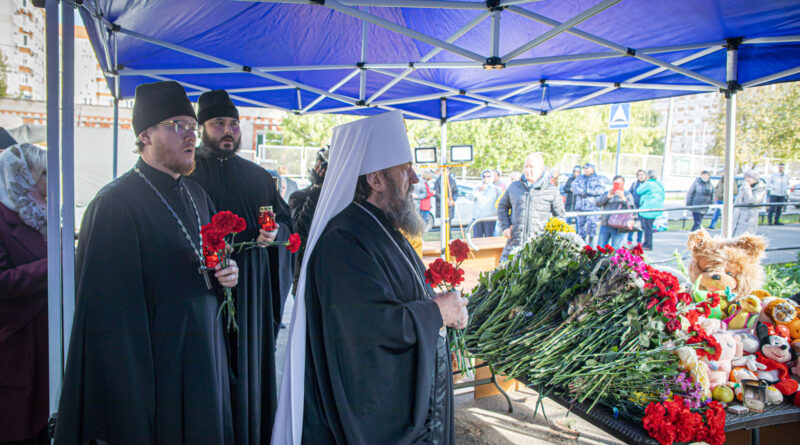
775, 210
698, 220
647, 228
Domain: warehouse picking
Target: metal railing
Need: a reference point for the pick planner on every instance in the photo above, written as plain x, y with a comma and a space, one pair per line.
704, 207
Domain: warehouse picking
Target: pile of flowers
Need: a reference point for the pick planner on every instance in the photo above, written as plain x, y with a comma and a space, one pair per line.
596, 326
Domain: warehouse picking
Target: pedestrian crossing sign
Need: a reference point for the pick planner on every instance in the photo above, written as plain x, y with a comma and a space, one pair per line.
620, 116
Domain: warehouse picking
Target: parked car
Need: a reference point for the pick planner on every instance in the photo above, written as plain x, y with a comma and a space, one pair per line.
794, 194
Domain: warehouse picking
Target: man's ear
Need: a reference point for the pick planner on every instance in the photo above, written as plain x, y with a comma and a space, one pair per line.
376, 181
144, 137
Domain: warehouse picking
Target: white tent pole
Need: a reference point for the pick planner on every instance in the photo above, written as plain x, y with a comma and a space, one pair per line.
650, 73
499, 103
771, 77
405, 100
625, 50
362, 87
331, 90
54, 331
444, 180
520, 90
495, 43
179, 71
563, 27
117, 80
732, 70
776, 39
299, 99
375, 20
564, 58
391, 3
455, 36
68, 168
232, 96
408, 113
245, 90
228, 63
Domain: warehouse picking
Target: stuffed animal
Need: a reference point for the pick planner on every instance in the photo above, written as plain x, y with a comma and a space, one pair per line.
738, 374
783, 313
718, 264
775, 354
719, 370
744, 313
696, 368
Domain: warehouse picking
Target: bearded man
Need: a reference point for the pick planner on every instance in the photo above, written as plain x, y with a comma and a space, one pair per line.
242, 187
377, 368
147, 359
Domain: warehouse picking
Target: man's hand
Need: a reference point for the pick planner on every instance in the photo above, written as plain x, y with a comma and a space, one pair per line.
265, 237
229, 276
507, 233
620, 194
453, 308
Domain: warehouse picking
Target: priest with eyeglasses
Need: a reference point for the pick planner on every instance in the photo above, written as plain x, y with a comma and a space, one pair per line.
148, 357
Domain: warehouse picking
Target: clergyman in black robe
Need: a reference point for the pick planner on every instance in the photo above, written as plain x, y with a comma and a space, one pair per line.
242, 187
147, 360
378, 364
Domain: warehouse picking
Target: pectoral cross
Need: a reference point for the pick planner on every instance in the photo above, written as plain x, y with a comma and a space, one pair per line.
203, 270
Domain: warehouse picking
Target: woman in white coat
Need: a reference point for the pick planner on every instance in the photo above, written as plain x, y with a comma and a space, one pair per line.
752, 191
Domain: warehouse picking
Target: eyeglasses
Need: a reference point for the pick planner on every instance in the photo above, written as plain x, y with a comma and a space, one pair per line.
487, 176
182, 127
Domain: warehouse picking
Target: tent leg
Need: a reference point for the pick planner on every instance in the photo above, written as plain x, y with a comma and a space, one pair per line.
68, 170
444, 227
115, 153
730, 137
53, 208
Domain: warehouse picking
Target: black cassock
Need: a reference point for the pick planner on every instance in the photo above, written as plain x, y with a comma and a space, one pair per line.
377, 370
147, 358
243, 187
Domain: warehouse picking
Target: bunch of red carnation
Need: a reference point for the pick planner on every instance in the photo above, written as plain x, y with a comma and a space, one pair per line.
213, 234
673, 421
700, 336
446, 275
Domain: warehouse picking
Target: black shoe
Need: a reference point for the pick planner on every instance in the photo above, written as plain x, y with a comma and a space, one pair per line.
283, 326
778, 223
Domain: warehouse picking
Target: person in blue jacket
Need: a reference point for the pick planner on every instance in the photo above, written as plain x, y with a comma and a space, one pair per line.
651, 196
587, 188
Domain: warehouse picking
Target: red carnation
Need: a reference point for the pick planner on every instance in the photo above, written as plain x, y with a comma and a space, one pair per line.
673, 325
589, 251
459, 249
638, 251
714, 299
440, 271
213, 238
240, 226
225, 221
294, 243
456, 278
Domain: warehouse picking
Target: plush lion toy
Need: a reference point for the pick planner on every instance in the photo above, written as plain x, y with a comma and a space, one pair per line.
726, 263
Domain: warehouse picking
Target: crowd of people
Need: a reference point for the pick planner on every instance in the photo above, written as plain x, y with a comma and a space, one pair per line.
586, 193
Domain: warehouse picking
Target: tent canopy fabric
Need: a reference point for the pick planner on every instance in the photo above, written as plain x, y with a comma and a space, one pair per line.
488, 59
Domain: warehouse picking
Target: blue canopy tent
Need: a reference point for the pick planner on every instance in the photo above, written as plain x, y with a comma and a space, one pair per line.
437, 60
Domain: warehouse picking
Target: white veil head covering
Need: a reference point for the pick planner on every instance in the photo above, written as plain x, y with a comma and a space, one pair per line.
21, 167
357, 148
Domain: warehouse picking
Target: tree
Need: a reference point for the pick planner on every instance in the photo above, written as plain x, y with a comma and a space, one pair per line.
766, 124
3, 75
504, 142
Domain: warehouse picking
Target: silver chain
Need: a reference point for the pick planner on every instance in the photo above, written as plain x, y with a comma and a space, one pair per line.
199, 252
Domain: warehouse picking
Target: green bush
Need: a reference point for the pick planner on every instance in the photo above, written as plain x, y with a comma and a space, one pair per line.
783, 280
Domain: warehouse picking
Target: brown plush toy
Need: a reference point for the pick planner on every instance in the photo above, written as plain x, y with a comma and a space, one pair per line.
726, 263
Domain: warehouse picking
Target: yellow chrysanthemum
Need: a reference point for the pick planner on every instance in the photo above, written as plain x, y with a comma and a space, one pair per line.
555, 225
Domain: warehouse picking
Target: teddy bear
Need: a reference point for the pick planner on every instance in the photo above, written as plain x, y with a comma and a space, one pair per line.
719, 264
720, 369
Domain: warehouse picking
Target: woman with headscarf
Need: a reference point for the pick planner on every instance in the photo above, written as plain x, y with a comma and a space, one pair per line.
23, 295
752, 191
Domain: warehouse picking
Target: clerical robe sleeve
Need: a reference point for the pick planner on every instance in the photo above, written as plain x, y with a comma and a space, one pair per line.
109, 385
373, 337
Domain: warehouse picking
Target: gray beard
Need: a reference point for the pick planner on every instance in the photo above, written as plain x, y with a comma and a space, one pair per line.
214, 148
402, 212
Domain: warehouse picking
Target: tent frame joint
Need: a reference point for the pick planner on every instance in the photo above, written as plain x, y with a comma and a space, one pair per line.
494, 63
494, 5
733, 43
361, 103
734, 86
617, 85
630, 52
543, 113
318, 2
360, 65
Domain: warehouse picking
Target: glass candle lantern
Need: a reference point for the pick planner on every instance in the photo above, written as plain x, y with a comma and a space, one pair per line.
755, 395
266, 219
